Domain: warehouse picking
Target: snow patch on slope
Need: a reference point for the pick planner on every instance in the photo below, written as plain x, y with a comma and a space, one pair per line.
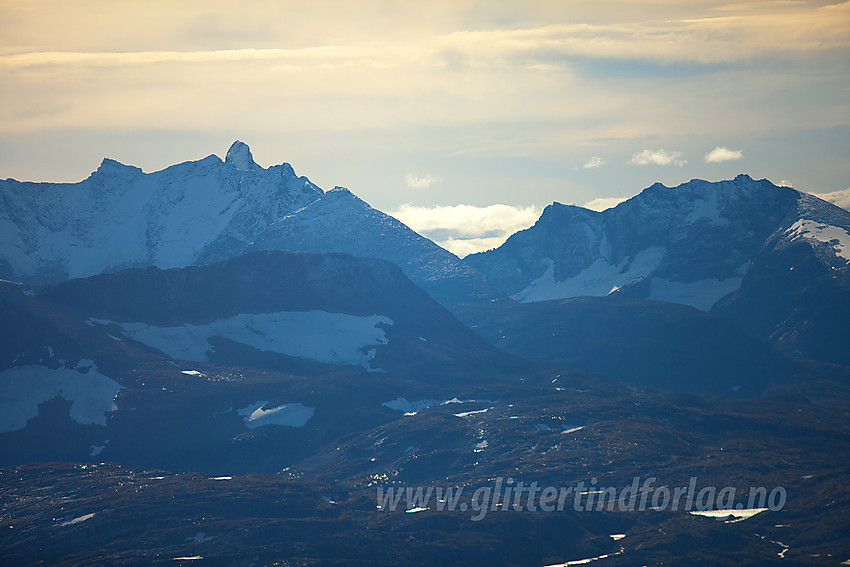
77, 520
736, 515
702, 294
598, 279
334, 338
706, 210
92, 395
838, 237
290, 415
411, 408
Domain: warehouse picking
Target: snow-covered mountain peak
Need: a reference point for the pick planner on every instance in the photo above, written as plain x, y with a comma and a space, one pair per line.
192, 212
202, 211
112, 167
687, 244
714, 202
239, 156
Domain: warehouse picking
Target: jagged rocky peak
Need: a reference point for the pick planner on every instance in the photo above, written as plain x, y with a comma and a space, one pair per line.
239, 156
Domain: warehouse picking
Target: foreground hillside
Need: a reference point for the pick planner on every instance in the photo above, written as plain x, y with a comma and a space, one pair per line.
151, 416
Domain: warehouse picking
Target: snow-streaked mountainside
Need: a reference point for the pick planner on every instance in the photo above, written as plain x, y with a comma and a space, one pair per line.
341, 222
296, 311
202, 211
796, 293
691, 244
119, 217
333, 338
773, 259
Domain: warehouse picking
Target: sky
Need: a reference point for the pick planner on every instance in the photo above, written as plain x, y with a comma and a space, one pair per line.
462, 118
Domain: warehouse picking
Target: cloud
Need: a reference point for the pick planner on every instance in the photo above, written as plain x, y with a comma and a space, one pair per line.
467, 220
658, 157
414, 182
594, 162
355, 82
461, 247
840, 198
700, 35
603, 203
114, 59
465, 229
721, 154
666, 30
703, 36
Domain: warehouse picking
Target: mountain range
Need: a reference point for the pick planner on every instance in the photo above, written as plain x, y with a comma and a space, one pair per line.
222, 362
773, 259
202, 211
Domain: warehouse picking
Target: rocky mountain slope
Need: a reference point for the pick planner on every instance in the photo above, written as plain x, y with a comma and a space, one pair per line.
333, 309
341, 222
652, 343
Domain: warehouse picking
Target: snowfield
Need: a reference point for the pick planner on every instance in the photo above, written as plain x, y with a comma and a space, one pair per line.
290, 415
92, 395
737, 515
411, 408
334, 338
598, 279
603, 278
702, 294
821, 232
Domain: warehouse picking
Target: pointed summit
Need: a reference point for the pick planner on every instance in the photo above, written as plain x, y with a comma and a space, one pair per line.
110, 166
239, 156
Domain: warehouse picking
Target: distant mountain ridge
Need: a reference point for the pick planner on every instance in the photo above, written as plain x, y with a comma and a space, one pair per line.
339, 221
694, 240
770, 258
121, 217
202, 211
